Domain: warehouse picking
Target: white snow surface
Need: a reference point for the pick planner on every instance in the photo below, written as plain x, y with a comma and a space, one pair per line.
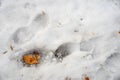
88, 27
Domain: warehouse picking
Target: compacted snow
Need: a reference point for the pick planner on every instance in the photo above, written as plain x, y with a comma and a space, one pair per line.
85, 34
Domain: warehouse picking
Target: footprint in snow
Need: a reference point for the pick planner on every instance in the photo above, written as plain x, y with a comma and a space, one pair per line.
24, 34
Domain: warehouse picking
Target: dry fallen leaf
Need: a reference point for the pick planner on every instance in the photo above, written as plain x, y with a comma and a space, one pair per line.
118, 32
37, 56
11, 47
31, 58
87, 78
5, 52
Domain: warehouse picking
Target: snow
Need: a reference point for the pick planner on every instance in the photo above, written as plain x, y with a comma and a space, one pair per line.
87, 29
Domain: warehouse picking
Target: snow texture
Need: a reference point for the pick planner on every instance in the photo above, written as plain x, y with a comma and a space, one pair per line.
84, 34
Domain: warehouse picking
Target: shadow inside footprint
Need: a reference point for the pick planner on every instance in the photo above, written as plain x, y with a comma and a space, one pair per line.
62, 51
65, 49
20, 35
